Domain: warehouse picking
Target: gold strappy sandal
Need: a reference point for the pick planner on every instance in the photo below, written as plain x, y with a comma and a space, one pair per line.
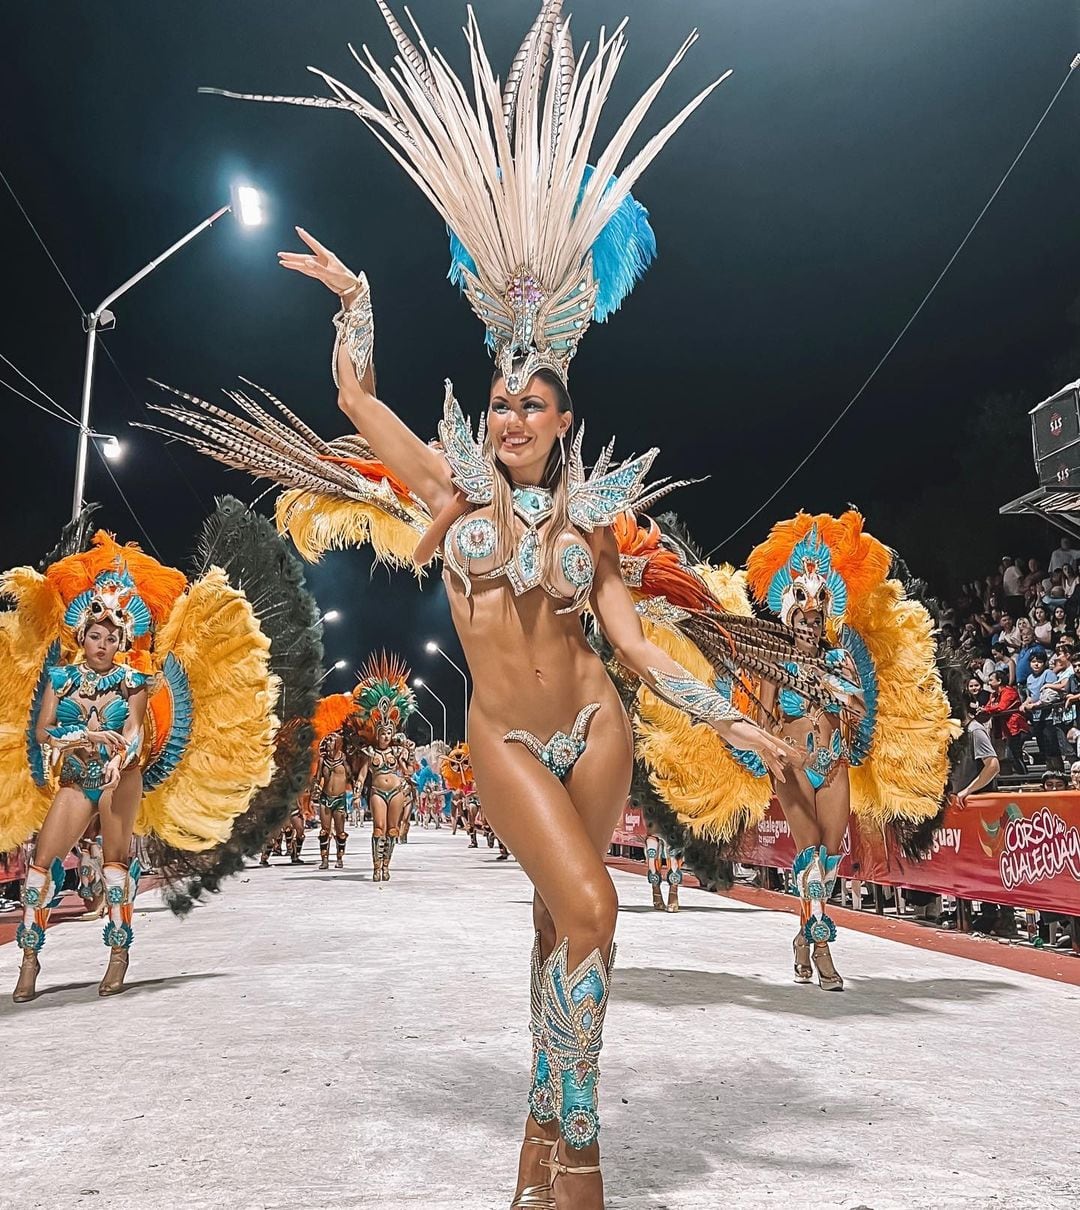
536, 1197
558, 1168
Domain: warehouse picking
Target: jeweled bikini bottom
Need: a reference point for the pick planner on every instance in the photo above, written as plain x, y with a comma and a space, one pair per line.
560, 754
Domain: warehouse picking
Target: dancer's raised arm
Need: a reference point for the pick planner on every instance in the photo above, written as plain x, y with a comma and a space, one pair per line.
395, 444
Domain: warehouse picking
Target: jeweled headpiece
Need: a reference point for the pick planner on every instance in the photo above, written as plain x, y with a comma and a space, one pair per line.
816, 564
383, 697
545, 237
117, 585
114, 601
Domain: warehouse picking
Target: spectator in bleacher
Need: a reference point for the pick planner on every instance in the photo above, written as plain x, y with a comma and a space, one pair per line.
1007, 631
1028, 647
1004, 662
1034, 577
1063, 555
977, 694
1070, 579
989, 622
1054, 590
1008, 724
1041, 624
1059, 625
1074, 775
1046, 690
978, 765
1012, 578
980, 666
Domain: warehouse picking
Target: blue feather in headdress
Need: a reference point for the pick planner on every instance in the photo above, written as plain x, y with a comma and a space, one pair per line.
621, 253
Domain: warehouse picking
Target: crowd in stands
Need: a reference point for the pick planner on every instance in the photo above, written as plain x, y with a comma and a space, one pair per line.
1015, 637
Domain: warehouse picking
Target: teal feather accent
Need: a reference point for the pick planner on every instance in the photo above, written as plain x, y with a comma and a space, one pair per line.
175, 683
862, 740
34, 757
621, 254
56, 877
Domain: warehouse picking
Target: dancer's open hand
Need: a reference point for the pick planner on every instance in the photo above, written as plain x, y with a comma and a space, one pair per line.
776, 755
321, 264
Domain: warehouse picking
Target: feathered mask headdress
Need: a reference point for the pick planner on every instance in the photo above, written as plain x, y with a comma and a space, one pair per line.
457, 767
545, 237
116, 585
383, 697
820, 563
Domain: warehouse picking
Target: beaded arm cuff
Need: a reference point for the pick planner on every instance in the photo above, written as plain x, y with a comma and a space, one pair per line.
355, 326
700, 701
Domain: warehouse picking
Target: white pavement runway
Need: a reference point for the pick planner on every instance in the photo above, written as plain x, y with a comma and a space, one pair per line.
312, 1040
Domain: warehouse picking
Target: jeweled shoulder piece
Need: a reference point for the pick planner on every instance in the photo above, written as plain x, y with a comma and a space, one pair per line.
596, 499
469, 468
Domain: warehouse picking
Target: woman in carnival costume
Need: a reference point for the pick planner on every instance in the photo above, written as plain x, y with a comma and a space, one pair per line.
428, 793
847, 678
546, 238
333, 774
384, 702
117, 679
410, 764
457, 775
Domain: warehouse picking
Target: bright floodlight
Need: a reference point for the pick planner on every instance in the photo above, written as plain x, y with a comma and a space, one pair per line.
340, 663
249, 206
331, 615
112, 449
431, 646
418, 682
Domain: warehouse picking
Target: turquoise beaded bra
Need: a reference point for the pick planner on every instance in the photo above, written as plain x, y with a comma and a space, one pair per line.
594, 500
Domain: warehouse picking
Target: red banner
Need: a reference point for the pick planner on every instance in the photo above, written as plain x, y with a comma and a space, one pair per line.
1019, 849
631, 829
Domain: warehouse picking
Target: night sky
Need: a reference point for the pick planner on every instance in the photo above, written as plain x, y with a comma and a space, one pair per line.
801, 214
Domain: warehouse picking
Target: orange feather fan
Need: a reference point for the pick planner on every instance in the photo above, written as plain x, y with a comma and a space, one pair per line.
158, 586
331, 714
860, 559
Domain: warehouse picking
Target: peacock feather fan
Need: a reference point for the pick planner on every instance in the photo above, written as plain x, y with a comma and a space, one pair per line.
258, 562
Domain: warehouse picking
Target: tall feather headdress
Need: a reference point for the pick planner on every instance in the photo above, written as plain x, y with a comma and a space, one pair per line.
545, 237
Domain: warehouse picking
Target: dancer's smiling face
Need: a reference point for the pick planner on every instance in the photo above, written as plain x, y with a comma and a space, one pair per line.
524, 429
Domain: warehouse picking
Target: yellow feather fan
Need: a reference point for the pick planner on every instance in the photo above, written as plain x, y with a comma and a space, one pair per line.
25, 635
318, 523
904, 775
690, 767
216, 637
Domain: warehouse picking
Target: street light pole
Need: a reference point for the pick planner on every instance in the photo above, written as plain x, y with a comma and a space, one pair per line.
432, 646
428, 721
337, 667
420, 683
102, 318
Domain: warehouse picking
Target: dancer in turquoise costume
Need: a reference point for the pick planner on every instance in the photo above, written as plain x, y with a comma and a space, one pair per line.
546, 239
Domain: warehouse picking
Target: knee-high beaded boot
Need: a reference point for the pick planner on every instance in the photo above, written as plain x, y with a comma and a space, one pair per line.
121, 884
41, 893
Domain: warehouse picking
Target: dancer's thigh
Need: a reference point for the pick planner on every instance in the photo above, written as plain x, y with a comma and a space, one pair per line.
534, 814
